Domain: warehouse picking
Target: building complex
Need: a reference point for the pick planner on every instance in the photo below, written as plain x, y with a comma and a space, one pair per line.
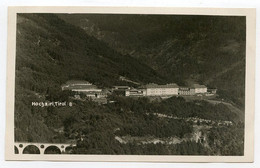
167, 90
150, 89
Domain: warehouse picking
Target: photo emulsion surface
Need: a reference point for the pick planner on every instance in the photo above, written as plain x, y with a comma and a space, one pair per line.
130, 84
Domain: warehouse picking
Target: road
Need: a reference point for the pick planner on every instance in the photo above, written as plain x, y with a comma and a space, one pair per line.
233, 108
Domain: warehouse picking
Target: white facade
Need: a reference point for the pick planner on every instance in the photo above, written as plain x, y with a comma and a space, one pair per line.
186, 91
87, 90
161, 91
200, 90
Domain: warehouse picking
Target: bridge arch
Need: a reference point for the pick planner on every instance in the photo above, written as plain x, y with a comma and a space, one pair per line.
16, 150
68, 149
31, 149
53, 149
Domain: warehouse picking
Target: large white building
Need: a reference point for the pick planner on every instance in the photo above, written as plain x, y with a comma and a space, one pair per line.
200, 88
161, 90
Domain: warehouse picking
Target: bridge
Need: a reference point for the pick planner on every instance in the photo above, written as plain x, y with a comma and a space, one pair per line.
41, 148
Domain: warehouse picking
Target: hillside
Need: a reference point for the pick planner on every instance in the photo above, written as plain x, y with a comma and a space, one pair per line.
185, 49
49, 52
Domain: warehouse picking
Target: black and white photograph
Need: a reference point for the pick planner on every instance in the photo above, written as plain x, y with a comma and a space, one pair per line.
129, 84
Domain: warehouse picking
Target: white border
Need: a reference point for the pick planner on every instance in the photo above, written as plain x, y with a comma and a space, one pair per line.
250, 61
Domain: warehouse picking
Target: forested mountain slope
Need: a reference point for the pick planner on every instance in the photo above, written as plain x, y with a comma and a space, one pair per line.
186, 49
49, 52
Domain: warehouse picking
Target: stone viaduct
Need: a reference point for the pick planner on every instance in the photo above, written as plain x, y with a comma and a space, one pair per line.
41, 147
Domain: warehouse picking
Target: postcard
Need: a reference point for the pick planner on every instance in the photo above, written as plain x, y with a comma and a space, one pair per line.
144, 84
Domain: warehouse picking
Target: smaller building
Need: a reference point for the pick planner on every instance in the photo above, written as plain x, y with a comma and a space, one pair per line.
121, 88
71, 83
135, 92
80, 86
212, 90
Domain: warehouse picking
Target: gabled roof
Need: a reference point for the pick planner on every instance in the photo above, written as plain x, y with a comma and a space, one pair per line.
199, 86
153, 85
78, 84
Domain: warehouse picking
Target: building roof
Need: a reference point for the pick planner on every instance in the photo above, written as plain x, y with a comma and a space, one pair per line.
78, 82
199, 86
73, 87
133, 89
153, 85
121, 87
